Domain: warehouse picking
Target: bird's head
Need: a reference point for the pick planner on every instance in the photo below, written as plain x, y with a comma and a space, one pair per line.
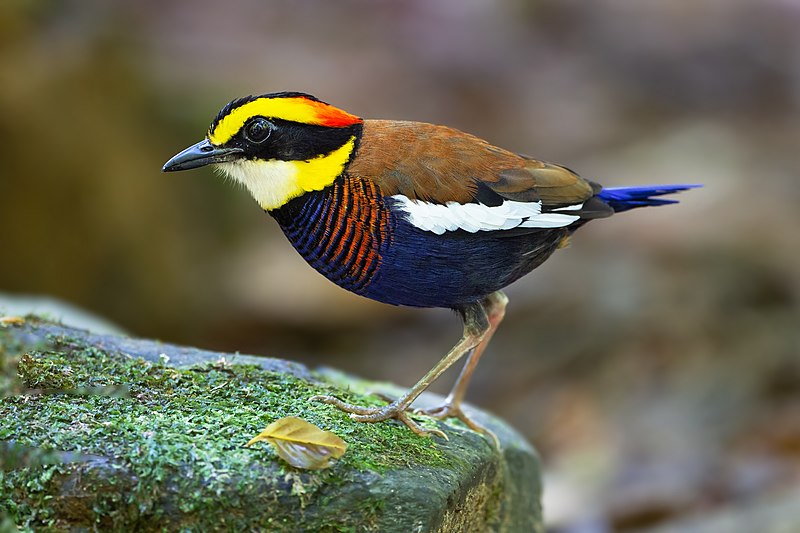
278, 145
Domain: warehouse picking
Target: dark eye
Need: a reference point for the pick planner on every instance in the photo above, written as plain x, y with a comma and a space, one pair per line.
258, 130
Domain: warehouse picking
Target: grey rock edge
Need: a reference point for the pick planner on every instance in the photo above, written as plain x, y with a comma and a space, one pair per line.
417, 499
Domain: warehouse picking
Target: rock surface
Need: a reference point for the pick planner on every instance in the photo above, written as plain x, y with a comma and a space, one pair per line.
109, 432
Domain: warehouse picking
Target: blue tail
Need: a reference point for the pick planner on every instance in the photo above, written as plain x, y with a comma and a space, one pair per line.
624, 198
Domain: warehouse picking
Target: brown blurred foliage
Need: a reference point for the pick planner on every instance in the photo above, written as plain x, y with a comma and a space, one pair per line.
655, 363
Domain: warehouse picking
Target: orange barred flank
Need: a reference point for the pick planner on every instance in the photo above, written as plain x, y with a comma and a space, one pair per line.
339, 230
362, 255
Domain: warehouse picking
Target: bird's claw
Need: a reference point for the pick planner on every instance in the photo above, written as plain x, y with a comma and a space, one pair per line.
453, 410
379, 414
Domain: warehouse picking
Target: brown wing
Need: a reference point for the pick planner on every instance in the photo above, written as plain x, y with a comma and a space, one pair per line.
441, 164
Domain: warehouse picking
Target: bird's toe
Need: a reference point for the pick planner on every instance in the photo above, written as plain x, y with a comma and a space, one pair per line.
452, 410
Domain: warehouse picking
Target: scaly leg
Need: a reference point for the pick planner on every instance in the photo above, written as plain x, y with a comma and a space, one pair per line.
476, 325
495, 307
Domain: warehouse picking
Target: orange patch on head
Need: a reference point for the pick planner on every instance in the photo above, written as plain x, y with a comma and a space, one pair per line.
329, 116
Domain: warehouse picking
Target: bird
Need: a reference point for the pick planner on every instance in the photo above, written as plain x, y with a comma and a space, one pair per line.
406, 213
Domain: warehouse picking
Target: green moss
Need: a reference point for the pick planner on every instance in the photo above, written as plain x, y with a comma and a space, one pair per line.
45, 373
9, 383
170, 428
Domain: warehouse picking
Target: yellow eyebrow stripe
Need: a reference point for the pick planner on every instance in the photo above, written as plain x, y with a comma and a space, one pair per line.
297, 109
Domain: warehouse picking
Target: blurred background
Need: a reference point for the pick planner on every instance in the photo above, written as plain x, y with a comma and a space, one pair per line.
655, 363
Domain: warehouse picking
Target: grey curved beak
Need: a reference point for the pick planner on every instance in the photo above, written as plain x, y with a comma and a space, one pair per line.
201, 154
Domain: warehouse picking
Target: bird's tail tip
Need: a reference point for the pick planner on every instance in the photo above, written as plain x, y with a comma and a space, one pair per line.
624, 198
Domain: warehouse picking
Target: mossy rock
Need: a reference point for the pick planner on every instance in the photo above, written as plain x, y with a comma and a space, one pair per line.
111, 433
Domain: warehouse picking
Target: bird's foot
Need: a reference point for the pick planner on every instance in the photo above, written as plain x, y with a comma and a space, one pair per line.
379, 414
450, 409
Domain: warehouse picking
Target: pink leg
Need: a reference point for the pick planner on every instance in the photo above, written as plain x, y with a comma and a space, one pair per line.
495, 306
476, 326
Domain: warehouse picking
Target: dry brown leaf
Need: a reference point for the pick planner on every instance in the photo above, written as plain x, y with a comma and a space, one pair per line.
301, 443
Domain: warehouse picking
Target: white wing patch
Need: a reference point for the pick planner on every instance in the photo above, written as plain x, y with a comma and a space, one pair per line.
438, 218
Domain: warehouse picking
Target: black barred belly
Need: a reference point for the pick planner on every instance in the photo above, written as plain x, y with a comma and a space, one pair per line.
422, 269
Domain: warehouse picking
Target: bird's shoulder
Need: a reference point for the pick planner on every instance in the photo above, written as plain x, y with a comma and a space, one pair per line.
440, 164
